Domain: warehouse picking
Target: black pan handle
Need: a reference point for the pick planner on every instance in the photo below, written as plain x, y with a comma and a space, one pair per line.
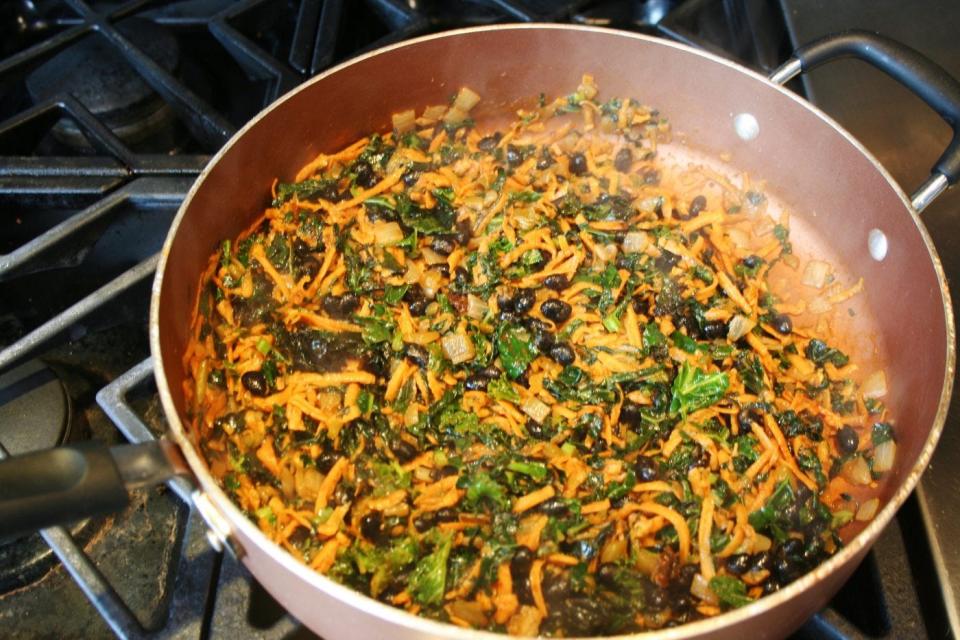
61, 485
928, 80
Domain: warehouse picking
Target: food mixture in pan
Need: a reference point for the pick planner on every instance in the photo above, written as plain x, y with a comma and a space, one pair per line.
533, 379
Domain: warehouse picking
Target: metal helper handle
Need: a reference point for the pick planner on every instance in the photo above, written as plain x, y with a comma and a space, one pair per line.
925, 78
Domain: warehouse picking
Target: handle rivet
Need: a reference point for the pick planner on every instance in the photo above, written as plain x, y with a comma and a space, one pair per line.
746, 126
877, 244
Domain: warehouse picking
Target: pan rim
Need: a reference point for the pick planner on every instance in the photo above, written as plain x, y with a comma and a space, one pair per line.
355, 599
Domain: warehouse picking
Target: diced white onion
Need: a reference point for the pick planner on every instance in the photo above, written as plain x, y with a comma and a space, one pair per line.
411, 415
884, 455
739, 326
875, 386
761, 543
605, 252
457, 347
857, 471
738, 237
476, 307
466, 99
536, 409
819, 305
454, 116
700, 587
614, 550
414, 271
816, 273
432, 257
868, 509
430, 282
635, 242
434, 112
385, 233
404, 121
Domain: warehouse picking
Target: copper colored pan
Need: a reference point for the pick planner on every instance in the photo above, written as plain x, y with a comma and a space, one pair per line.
844, 206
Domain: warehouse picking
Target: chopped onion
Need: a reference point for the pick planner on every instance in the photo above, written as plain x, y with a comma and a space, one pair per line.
476, 307
454, 116
387, 232
414, 271
739, 326
646, 560
430, 282
466, 99
471, 612
432, 257
434, 112
635, 242
536, 409
614, 550
857, 471
884, 455
411, 415
819, 305
875, 386
816, 273
738, 237
761, 543
868, 509
404, 121
457, 347
700, 587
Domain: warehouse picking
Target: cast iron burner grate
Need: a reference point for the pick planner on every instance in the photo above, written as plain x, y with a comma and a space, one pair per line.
89, 182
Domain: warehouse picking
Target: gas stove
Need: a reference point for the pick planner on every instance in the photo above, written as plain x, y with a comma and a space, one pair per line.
109, 111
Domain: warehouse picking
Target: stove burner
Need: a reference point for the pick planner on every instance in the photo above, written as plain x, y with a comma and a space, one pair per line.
93, 73
35, 413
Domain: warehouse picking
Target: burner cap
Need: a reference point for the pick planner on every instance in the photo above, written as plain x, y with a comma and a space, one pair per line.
95, 73
34, 409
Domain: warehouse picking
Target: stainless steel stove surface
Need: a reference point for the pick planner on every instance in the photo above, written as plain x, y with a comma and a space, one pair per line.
108, 112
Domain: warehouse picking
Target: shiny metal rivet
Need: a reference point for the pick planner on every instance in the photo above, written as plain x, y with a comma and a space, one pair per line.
746, 126
216, 542
877, 244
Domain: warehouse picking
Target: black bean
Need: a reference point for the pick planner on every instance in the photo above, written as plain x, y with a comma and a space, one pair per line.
543, 340
607, 575
783, 569
750, 413
521, 562
419, 307
444, 245
630, 413
771, 586
341, 306
513, 155
556, 282
461, 278
524, 301
446, 515
738, 563
404, 451
666, 261
651, 176
365, 177
418, 355
442, 269
537, 430
326, 461
803, 493
577, 164
545, 159
656, 599
562, 353
752, 261
556, 310
448, 470
553, 507
505, 302
646, 469
463, 232
696, 206
371, 525
490, 373
682, 602
793, 547
687, 573
476, 382
782, 323
714, 329
489, 143
410, 177
640, 305
424, 521
256, 383
761, 561
847, 440
623, 160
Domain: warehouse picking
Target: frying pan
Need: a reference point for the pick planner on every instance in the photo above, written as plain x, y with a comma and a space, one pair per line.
844, 205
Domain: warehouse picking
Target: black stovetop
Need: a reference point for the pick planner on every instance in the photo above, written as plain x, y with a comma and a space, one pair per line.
107, 113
